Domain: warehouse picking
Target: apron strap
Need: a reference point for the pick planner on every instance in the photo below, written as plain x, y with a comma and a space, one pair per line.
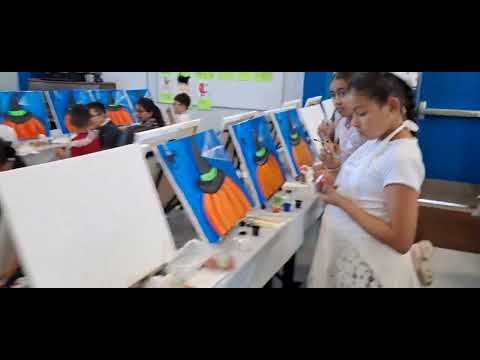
409, 124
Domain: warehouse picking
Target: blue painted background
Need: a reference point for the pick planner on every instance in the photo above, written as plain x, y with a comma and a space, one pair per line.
136, 94
60, 100
119, 97
450, 146
243, 134
282, 120
32, 101
186, 173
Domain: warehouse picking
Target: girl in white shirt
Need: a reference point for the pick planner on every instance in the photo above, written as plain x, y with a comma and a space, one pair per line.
370, 221
340, 129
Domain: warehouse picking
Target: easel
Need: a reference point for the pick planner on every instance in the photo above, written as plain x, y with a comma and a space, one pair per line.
151, 138
297, 103
287, 274
226, 138
317, 100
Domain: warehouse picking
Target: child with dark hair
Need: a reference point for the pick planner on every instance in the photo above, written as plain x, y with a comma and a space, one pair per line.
181, 104
108, 132
10, 270
339, 135
149, 114
370, 222
86, 141
150, 117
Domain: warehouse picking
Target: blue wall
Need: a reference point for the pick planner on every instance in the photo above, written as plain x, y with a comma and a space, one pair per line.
316, 84
451, 146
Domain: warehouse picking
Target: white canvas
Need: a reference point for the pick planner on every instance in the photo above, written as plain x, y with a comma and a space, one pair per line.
93, 221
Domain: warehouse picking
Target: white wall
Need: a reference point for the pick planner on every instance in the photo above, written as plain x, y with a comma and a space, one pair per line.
293, 89
127, 80
9, 81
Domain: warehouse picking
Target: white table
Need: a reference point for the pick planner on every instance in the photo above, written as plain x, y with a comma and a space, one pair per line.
267, 253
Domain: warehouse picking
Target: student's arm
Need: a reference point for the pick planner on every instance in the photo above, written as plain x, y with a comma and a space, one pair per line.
12, 268
171, 116
399, 232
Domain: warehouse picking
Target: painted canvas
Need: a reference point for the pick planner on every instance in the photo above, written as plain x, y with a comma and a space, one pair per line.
206, 183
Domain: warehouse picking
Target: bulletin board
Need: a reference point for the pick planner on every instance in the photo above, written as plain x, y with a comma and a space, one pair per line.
236, 90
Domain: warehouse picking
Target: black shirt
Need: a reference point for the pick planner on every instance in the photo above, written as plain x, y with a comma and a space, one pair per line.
109, 134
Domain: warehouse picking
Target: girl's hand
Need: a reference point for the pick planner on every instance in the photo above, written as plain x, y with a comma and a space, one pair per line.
325, 130
331, 196
330, 155
61, 153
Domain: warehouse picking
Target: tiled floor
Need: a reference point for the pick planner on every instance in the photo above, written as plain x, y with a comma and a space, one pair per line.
452, 269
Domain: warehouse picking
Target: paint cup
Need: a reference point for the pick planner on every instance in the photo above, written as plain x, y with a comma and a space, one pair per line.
287, 207
298, 204
256, 230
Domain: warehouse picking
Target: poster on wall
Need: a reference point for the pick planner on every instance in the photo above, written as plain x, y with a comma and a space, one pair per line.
61, 102
257, 151
264, 77
167, 88
244, 76
295, 139
205, 76
204, 100
206, 183
117, 105
183, 83
26, 113
225, 76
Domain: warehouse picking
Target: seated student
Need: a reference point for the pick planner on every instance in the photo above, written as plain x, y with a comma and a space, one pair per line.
108, 132
346, 137
150, 117
149, 114
10, 270
180, 107
86, 141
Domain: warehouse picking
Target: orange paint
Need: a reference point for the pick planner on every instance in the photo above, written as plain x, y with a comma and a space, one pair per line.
28, 130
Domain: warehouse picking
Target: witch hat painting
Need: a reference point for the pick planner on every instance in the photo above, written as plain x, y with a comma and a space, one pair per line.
269, 174
224, 203
300, 152
25, 124
117, 113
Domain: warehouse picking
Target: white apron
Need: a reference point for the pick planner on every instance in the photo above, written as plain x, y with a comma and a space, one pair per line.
346, 255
